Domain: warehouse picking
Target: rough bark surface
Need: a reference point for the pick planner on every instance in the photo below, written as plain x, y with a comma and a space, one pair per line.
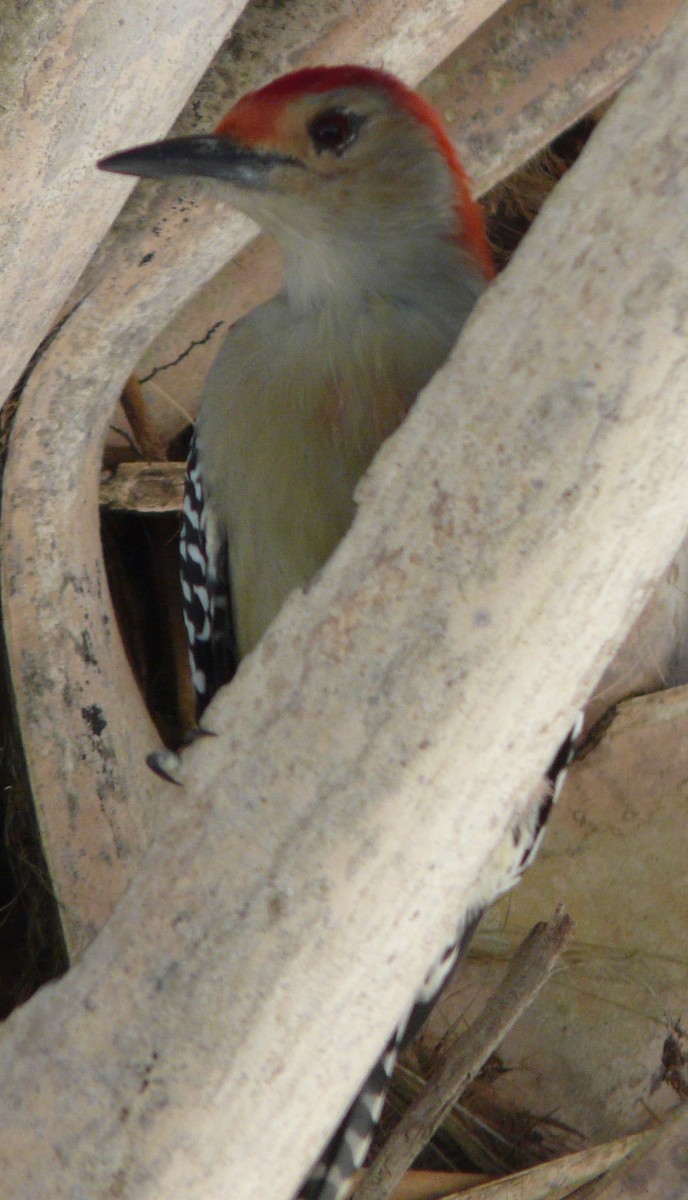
75, 74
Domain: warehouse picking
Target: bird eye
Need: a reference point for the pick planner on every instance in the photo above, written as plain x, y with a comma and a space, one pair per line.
334, 130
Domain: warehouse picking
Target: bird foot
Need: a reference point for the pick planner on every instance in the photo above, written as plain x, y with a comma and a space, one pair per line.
167, 764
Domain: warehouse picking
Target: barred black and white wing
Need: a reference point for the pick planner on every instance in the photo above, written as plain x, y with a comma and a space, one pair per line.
347, 1148
206, 593
206, 589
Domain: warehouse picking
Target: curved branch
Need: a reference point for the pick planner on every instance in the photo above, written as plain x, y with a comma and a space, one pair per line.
84, 727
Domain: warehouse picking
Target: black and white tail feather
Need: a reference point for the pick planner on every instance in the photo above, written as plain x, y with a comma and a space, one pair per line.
349, 1145
206, 593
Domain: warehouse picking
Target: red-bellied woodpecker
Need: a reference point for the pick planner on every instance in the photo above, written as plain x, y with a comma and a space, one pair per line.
385, 252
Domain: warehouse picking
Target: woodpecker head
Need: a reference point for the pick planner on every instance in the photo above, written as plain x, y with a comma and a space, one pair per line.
343, 157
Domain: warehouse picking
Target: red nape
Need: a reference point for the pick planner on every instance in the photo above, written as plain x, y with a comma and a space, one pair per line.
254, 118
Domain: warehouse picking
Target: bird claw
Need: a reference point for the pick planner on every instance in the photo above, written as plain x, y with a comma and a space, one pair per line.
165, 763
193, 735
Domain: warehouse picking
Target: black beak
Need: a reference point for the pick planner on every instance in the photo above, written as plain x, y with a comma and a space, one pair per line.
212, 157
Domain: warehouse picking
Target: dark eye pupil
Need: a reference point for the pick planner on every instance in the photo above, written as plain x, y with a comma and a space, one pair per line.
332, 130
